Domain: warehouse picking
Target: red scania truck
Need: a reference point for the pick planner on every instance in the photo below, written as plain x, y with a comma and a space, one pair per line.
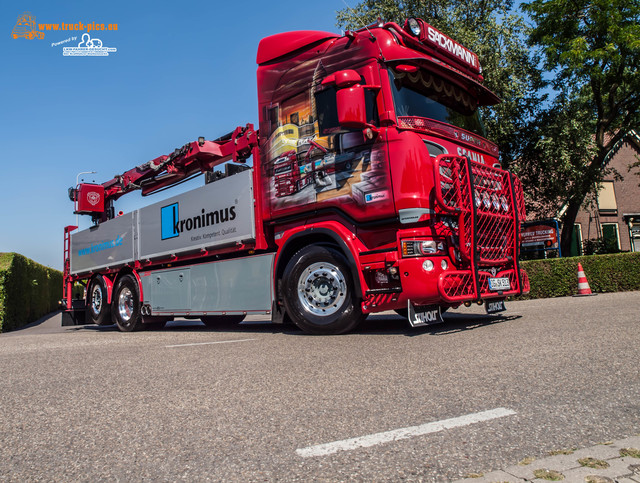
408, 208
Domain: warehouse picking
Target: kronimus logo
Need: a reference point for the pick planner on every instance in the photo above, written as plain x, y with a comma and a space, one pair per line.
171, 225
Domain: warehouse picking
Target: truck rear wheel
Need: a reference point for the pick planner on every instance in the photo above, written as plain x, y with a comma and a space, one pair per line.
125, 305
318, 291
98, 308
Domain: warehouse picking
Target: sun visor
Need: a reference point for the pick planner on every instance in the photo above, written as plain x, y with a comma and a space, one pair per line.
278, 45
484, 96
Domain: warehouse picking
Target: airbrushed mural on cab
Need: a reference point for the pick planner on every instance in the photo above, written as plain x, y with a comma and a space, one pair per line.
312, 160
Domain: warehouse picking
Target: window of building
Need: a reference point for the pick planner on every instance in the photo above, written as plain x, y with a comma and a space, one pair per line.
576, 241
611, 236
607, 199
633, 226
635, 240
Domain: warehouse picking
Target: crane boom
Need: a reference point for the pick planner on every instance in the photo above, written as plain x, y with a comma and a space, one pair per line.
193, 157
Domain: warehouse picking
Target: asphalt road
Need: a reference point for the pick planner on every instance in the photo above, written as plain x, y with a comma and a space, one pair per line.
252, 402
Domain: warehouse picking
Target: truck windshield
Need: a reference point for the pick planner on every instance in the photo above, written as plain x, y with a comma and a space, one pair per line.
423, 94
282, 169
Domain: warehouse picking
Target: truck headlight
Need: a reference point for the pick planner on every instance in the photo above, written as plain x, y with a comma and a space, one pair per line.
419, 248
504, 202
414, 26
495, 201
486, 200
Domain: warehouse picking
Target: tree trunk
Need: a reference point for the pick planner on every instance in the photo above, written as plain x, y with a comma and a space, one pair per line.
568, 220
592, 175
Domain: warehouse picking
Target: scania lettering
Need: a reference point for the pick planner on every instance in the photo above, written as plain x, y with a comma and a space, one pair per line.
368, 186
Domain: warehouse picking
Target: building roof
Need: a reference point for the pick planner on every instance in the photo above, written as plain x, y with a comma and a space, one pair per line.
632, 136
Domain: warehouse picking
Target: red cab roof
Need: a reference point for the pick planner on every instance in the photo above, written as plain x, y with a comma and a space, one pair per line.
277, 45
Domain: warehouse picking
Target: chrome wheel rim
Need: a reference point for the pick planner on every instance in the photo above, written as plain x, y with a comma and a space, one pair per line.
322, 289
96, 299
125, 304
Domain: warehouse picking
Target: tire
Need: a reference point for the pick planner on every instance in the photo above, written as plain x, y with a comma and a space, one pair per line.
98, 308
220, 320
318, 291
125, 306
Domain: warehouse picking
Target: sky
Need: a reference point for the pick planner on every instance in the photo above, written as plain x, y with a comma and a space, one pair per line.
180, 70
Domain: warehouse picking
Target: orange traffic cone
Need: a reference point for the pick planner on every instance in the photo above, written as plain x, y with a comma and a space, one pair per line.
583, 284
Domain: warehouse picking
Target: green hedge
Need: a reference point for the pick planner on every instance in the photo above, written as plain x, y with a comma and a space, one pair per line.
28, 290
558, 277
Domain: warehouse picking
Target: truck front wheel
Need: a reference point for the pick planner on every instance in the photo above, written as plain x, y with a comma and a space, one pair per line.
125, 305
98, 307
318, 291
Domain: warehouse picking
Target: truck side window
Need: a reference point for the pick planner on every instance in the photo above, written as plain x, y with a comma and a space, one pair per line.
327, 111
372, 108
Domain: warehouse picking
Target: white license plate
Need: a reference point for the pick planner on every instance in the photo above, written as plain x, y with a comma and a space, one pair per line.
499, 284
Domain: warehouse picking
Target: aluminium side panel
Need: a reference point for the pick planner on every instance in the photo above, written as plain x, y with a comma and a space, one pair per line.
241, 284
108, 244
213, 215
230, 286
168, 289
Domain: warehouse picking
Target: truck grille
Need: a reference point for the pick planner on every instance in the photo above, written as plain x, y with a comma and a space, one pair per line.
489, 205
460, 285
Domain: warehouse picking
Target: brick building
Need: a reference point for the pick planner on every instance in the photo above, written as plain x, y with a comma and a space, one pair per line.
614, 214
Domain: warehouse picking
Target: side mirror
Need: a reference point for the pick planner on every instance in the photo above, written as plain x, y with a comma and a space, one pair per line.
352, 111
343, 78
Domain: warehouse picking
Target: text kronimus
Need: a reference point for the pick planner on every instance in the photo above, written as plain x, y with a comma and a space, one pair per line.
205, 219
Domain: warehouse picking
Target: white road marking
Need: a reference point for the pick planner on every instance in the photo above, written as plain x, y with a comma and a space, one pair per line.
402, 433
209, 343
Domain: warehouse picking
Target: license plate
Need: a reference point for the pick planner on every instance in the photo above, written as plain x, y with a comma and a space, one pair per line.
499, 284
494, 306
426, 315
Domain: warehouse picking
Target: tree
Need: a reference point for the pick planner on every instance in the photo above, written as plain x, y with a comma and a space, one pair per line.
553, 163
498, 35
592, 47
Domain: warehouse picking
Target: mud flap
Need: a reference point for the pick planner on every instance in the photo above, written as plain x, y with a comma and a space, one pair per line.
494, 306
75, 316
424, 315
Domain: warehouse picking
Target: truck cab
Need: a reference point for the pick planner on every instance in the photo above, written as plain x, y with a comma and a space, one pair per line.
430, 216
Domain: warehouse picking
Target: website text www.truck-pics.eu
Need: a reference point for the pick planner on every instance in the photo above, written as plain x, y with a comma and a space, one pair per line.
78, 26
